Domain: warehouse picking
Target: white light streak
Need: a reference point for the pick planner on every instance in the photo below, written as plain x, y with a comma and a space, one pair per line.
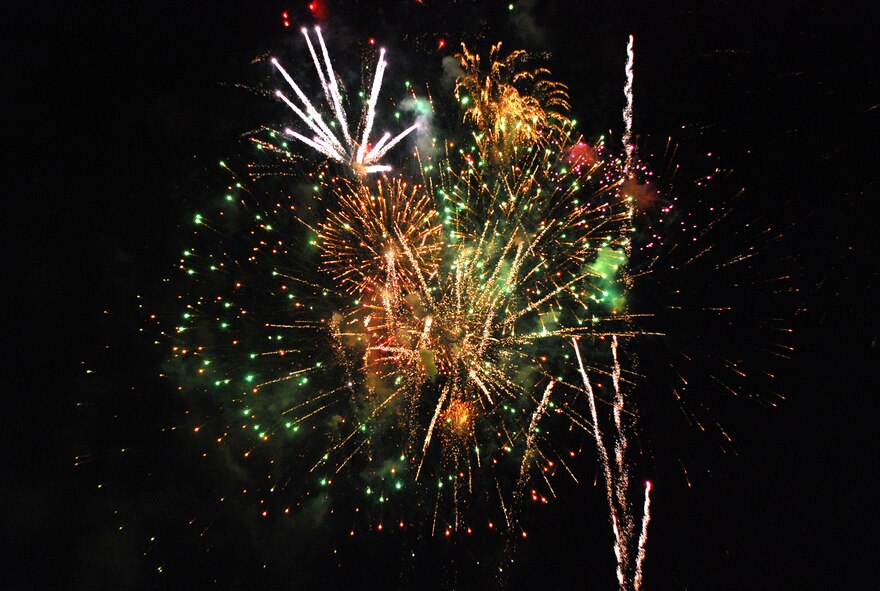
359, 155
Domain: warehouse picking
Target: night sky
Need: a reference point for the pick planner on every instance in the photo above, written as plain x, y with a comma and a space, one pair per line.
116, 115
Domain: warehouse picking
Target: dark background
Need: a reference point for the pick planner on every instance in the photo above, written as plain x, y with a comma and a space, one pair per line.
116, 111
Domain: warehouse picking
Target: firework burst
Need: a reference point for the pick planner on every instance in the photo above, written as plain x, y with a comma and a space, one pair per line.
360, 155
381, 237
509, 105
419, 330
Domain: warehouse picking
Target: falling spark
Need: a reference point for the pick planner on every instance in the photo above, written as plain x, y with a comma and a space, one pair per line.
530, 438
629, 567
643, 537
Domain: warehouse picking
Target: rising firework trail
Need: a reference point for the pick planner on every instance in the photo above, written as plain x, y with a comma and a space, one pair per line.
628, 109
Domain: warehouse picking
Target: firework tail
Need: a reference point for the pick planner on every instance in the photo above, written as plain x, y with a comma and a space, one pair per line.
629, 566
628, 109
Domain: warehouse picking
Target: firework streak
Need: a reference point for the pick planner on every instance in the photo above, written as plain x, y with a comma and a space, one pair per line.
325, 141
629, 567
410, 335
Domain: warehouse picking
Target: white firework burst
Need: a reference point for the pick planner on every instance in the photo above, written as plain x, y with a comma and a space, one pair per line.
347, 150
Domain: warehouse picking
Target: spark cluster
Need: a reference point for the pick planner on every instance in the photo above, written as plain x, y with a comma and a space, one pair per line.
508, 104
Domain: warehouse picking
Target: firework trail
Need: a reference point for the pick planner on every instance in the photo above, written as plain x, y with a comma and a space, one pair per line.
643, 537
362, 157
533, 424
623, 522
629, 551
628, 109
629, 154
